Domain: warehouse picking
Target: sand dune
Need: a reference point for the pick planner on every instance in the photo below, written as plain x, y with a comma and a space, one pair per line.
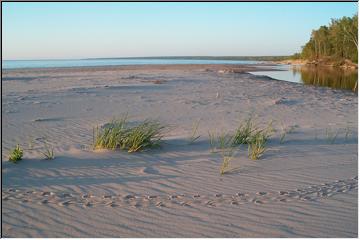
304, 187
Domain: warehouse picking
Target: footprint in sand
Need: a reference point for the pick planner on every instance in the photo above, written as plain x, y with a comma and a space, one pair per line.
85, 196
211, 203
242, 194
160, 204
88, 204
186, 204
309, 193
129, 197
65, 195
64, 203
111, 204
149, 170
151, 197
261, 193
45, 194
283, 193
172, 197
306, 198
258, 202
44, 201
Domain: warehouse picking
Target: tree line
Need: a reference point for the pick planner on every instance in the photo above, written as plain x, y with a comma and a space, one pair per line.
338, 41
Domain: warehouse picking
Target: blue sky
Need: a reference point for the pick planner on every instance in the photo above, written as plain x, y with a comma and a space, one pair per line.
84, 30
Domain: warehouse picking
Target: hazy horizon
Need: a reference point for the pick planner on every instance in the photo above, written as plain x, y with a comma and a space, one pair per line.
72, 31
144, 57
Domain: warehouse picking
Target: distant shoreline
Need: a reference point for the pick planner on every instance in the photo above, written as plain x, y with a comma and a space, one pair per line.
235, 58
229, 58
27, 64
345, 64
242, 67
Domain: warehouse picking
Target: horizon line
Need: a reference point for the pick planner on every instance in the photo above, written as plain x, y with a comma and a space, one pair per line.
150, 57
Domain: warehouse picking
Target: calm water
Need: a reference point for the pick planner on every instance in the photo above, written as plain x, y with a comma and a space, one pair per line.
13, 64
320, 76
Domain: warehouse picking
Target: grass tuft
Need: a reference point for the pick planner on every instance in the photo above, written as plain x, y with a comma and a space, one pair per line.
244, 132
227, 150
225, 141
16, 154
212, 141
118, 135
257, 147
285, 131
49, 152
30, 143
194, 134
331, 136
110, 135
248, 131
146, 135
226, 163
347, 133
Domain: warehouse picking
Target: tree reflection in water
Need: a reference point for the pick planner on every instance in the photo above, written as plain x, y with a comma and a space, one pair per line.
328, 77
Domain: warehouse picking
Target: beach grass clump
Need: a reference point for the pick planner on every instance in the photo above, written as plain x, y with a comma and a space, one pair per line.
331, 135
220, 142
285, 131
110, 136
212, 141
225, 141
347, 133
194, 133
225, 166
146, 135
49, 152
263, 134
248, 132
282, 137
118, 135
244, 132
30, 143
227, 150
259, 139
16, 154
257, 147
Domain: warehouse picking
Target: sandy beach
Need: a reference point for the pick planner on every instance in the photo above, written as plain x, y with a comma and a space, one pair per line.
305, 186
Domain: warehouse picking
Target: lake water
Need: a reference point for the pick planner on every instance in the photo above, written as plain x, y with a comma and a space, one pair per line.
320, 76
15, 64
327, 77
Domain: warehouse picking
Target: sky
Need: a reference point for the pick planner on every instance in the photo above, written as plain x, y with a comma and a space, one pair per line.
66, 30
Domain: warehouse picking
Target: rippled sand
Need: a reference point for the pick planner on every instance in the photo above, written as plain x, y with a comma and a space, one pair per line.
304, 187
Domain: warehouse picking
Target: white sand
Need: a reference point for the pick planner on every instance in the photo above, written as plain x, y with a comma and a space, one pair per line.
305, 187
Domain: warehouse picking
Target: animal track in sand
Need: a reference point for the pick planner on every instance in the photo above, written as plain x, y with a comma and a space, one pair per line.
63, 199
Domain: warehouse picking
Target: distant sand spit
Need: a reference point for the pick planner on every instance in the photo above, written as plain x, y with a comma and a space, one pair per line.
305, 187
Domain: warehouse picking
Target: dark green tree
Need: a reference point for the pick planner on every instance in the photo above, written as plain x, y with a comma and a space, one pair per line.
338, 41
